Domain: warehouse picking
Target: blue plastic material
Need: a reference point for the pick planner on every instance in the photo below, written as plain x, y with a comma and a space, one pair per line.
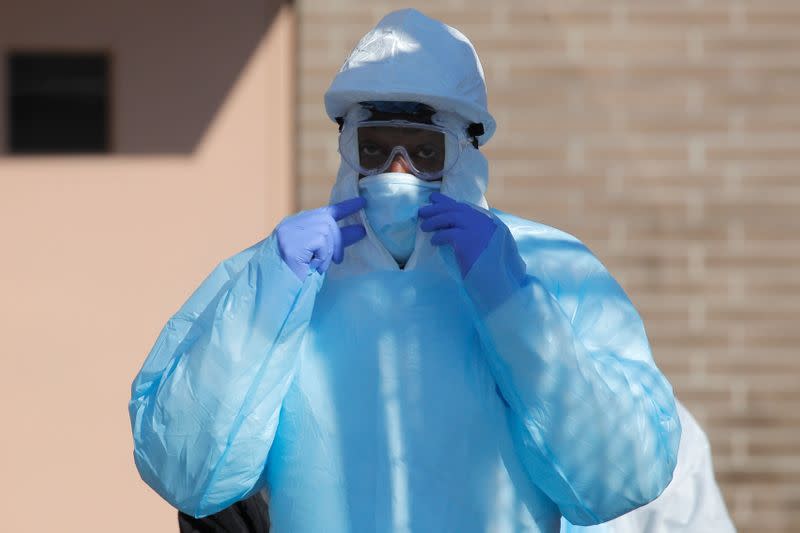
692, 502
468, 230
310, 240
409, 400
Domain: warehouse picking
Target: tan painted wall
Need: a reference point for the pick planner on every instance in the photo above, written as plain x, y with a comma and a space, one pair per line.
97, 252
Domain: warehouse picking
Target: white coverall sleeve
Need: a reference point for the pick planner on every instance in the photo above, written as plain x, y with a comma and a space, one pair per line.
204, 408
593, 419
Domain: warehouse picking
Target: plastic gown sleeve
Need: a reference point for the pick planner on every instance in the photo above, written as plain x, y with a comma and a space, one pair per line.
205, 405
691, 502
594, 421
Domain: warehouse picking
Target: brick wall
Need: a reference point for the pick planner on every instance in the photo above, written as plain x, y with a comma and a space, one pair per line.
664, 135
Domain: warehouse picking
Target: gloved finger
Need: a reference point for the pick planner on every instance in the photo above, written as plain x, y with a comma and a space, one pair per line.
352, 234
447, 236
431, 210
316, 245
327, 251
449, 219
314, 264
346, 208
439, 198
320, 249
336, 234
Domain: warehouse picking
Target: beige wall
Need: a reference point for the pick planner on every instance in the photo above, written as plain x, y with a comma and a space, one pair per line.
97, 252
665, 135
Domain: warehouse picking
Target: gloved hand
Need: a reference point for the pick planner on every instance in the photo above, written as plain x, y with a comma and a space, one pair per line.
483, 246
310, 240
460, 225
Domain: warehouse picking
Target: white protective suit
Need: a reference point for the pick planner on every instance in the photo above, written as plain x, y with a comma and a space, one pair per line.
692, 502
372, 398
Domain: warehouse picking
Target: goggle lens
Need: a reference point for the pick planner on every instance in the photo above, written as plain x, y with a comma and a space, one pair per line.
379, 145
370, 147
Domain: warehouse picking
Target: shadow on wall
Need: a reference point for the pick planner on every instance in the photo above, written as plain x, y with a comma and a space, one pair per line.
172, 64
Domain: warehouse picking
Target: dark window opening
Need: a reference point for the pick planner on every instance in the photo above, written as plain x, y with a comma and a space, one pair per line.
58, 103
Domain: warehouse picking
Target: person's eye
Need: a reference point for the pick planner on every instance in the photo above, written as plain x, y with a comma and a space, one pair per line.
370, 150
427, 151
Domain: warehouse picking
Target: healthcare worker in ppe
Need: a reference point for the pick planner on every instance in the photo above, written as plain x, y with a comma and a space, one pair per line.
406, 359
692, 502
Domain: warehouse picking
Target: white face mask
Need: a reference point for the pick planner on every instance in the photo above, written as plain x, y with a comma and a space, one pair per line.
393, 199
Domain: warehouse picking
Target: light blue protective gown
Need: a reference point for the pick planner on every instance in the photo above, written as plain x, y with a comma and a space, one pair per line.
380, 399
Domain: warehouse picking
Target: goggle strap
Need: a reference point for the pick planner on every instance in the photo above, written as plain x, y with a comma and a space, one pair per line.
474, 130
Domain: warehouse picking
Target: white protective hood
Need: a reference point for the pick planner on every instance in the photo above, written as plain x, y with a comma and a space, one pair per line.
408, 56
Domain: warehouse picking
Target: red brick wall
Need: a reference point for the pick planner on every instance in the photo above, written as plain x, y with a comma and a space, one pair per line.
665, 136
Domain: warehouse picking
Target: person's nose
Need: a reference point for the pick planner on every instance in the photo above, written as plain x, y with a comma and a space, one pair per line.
399, 164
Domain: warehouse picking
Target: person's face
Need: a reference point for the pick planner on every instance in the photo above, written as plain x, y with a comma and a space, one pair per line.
425, 148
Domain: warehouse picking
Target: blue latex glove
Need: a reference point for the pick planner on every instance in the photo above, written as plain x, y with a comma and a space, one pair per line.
310, 240
460, 225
